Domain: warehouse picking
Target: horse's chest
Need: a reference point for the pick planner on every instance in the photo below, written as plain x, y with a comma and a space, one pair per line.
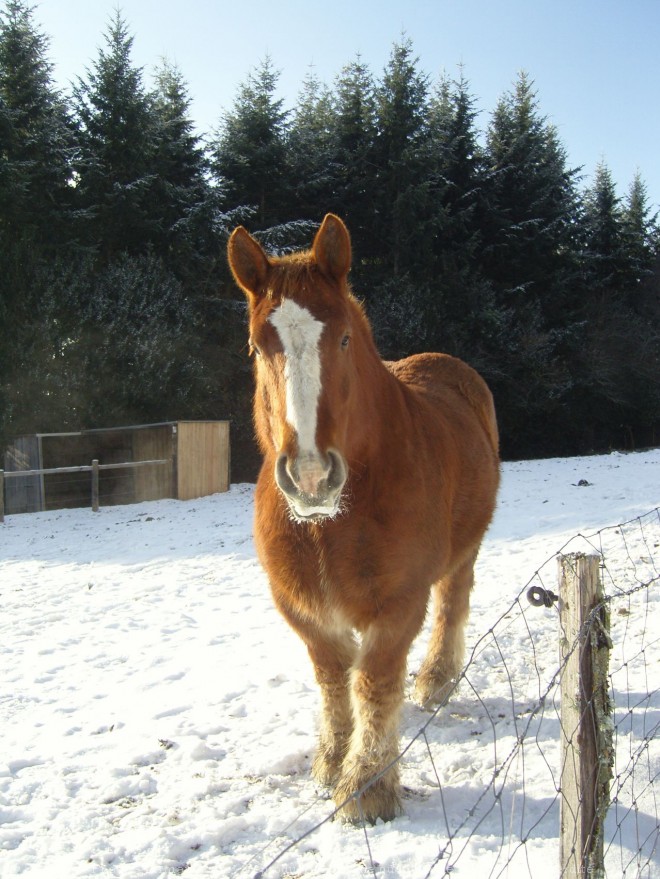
328, 580
347, 572
348, 589
359, 578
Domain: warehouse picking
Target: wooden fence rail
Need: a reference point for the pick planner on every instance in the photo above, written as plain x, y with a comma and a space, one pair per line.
94, 468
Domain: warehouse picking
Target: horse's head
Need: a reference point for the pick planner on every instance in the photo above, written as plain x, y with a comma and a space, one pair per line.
301, 320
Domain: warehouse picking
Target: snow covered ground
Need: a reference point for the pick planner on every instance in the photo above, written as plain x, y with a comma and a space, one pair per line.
158, 718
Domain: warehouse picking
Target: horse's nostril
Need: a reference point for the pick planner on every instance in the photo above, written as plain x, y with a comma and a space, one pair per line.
283, 475
337, 473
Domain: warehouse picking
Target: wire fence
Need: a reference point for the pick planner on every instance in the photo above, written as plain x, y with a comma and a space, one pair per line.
513, 793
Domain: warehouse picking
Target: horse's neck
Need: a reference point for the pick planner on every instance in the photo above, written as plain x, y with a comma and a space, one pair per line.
380, 405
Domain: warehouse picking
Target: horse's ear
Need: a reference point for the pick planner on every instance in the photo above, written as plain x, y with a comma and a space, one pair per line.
332, 248
248, 262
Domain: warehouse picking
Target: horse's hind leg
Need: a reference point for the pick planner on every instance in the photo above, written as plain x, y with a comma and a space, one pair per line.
444, 658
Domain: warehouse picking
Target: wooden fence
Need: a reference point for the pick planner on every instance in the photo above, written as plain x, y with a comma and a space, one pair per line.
49, 471
94, 469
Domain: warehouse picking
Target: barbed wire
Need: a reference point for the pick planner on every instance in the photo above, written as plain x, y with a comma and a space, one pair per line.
502, 807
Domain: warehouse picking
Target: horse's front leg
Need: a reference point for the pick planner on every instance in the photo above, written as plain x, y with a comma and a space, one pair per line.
332, 657
369, 783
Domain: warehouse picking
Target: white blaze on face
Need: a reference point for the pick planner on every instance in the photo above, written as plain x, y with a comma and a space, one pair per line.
300, 332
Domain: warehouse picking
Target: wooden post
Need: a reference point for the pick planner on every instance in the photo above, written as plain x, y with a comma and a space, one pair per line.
586, 730
42, 484
175, 461
2, 495
95, 486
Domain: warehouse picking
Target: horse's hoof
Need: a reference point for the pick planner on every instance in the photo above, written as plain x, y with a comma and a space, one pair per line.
326, 768
379, 800
430, 692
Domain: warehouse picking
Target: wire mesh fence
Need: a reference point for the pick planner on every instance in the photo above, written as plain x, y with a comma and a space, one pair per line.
502, 813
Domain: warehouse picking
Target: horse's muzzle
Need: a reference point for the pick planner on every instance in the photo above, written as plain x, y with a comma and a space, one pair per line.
312, 485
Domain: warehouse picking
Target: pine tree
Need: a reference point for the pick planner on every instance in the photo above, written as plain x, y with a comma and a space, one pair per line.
532, 204
35, 198
618, 361
466, 320
606, 255
458, 156
530, 257
356, 136
140, 186
117, 131
403, 198
311, 150
457, 164
37, 141
641, 234
249, 151
185, 203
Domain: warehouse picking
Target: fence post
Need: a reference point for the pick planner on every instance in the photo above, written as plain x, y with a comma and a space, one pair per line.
2, 496
95, 486
586, 730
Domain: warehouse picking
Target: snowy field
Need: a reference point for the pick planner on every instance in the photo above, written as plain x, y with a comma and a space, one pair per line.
158, 717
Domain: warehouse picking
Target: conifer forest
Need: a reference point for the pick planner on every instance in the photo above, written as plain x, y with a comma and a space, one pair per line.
471, 235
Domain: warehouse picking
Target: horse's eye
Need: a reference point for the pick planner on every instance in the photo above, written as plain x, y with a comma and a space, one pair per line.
345, 341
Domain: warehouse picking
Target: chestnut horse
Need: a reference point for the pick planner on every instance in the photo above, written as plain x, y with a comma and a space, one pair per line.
378, 483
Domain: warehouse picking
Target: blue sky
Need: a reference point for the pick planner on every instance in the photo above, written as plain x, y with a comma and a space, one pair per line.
595, 63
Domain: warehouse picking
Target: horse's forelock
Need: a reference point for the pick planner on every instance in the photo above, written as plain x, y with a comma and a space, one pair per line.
298, 277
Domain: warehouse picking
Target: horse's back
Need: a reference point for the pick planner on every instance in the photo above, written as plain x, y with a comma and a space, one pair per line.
451, 384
